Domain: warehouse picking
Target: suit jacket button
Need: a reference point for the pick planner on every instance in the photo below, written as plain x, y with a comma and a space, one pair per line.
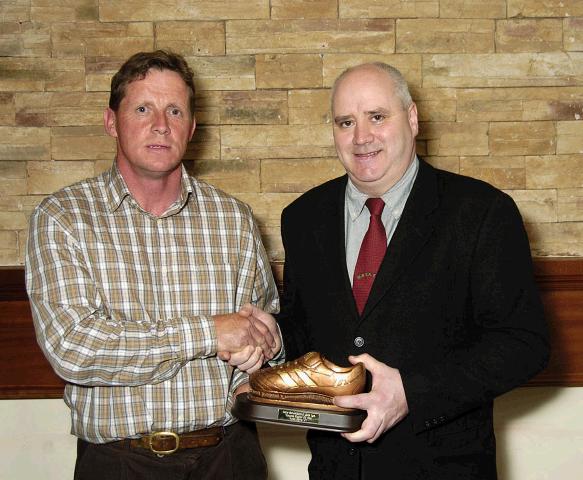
359, 342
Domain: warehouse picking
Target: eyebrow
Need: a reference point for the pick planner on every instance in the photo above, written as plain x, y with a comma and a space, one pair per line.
374, 111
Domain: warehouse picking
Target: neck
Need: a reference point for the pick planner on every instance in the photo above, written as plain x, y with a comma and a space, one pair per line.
154, 194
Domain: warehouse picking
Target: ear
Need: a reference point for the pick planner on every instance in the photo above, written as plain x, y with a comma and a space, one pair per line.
193, 128
109, 122
413, 121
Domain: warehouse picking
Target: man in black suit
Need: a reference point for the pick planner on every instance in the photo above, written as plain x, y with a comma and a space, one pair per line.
453, 318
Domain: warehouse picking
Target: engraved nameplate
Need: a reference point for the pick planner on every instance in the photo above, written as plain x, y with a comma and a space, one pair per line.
298, 416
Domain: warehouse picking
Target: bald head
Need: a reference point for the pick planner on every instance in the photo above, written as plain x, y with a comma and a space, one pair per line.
398, 82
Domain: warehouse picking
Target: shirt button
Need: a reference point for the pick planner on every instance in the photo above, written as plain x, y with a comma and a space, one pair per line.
359, 342
352, 452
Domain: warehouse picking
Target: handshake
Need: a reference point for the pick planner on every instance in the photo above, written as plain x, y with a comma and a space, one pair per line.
247, 339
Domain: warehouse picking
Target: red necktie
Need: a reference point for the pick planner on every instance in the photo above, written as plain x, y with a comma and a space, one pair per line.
372, 251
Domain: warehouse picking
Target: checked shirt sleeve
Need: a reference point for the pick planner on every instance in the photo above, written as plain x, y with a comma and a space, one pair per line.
86, 342
263, 294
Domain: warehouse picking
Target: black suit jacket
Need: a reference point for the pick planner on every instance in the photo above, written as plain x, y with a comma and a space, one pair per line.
454, 307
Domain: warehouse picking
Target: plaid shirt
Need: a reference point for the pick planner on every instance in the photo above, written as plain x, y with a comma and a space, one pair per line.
122, 303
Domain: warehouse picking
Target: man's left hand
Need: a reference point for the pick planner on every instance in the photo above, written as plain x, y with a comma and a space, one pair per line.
385, 404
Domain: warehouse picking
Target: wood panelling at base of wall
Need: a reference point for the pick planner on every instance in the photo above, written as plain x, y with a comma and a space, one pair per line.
25, 373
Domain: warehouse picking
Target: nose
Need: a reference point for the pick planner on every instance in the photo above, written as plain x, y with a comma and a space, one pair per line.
160, 125
362, 134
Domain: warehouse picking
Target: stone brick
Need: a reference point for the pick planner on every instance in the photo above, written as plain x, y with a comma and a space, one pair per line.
388, 8
10, 257
267, 207
522, 138
98, 39
7, 109
528, 35
20, 203
409, 65
205, 144
48, 177
13, 220
233, 72
12, 186
77, 109
40, 74
64, 10
24, 143
24, 39
231, 176
275, 141
242, 107
311, 36
8, 240
536, 206
12, 170
81, 143
520, 104
255, 107
308, 107
15, 10
148, 10
271, 238
288, 71
569, 137
550, 171
556, 239
304, 9
435, 104
12, 178
573, 34
98, 72
60, 109
191, 38
298, 175
445, 36
570, 205
472, 8
503, 70
536, 8
32, 109
502, 172
449, 138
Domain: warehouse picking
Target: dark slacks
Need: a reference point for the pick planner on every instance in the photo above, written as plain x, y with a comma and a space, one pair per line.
237, 457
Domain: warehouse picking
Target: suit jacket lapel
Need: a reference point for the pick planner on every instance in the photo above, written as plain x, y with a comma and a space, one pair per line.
329, 237
412, 233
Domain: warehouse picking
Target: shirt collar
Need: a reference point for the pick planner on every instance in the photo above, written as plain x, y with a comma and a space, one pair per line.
395, 198
118, 191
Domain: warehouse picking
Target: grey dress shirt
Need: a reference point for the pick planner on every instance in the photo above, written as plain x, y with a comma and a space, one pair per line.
357, 217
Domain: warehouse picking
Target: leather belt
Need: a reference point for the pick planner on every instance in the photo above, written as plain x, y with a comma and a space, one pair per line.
166, 443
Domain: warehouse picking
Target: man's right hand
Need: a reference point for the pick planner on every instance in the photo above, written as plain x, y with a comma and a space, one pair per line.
237, 331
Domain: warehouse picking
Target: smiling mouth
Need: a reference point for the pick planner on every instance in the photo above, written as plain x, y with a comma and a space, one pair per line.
158, 147
366, 155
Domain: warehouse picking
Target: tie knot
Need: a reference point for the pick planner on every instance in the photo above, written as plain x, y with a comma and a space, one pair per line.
375, 206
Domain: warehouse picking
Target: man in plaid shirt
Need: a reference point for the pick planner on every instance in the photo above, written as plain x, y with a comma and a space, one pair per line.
148, 288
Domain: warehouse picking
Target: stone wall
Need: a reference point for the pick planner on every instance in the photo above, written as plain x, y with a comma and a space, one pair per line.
499, 86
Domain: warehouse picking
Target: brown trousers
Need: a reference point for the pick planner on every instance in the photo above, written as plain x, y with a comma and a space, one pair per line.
237, 457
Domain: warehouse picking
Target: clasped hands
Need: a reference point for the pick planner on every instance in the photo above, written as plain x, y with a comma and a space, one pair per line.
248, 338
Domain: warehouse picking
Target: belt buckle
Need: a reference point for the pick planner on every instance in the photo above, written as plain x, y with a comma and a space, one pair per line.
162, 436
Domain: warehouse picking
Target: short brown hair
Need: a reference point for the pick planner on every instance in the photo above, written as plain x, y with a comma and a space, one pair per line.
138, 65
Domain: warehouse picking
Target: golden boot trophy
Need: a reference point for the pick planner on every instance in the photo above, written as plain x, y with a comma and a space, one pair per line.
301, 392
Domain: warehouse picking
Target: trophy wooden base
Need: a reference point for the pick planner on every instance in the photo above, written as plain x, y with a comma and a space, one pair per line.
247, 409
